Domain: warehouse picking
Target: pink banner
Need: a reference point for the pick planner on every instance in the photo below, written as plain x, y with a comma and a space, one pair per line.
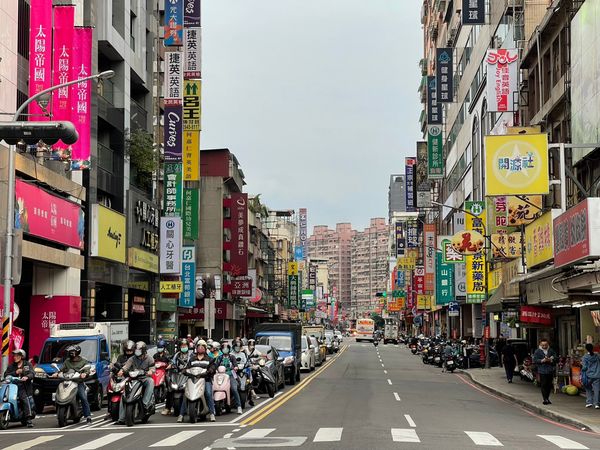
47, 310
40, 52
64, 19
81, 67
47, 216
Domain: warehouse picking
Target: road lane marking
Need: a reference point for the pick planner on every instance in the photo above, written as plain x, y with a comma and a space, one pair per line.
405, 435
483, 438
382, 365
177, 438
328, 435
410, 421
396, 396
264, 412
562, 442
257, 433
101, 442
385, 371
255, 408
33, 442
389, 382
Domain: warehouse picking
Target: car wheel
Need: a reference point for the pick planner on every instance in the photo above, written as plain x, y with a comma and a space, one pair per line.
97, 403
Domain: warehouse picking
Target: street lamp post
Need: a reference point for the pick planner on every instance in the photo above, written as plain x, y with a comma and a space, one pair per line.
485, 274
43, 98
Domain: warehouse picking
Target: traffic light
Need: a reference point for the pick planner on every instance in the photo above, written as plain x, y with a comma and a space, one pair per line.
32, 132
381, 294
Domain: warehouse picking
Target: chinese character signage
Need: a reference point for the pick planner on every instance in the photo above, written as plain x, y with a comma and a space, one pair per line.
40, 53
410, 183
506, 245
537, 315
312, 277
577, 233
191, 156
539, 239
434, 109
412, 234
502, 79
292, 291
81, 94
173, 133
475, 264
173, 78
444, 281
190, 214
191, 13
173, 23
449, 255
191, 105
424, 301
298, 253
238, 227
303, 224
510, 211
170, 245
516, 164
173, 190
444, 75
171, 287
192, 65
429, 250
41, 214
187, 299
435, 152
241, 287
400, 239
473, 12
419, 279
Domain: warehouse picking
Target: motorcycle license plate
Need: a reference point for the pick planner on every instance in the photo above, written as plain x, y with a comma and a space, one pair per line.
54, 396
115, 399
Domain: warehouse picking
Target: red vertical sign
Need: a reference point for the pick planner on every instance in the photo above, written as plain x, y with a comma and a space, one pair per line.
40, 52
80, 96
238, 227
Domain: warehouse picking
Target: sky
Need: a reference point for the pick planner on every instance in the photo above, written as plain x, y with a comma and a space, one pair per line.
317, 99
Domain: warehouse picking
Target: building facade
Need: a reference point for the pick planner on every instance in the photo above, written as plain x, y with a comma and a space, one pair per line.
396, 195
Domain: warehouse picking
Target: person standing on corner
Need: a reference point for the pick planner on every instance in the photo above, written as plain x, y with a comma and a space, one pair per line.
591, 367
545, 360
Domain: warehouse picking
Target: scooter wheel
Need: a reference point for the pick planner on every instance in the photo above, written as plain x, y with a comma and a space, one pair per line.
193, 411
270, 390
114, 413
4, 420
129, 414
61, 416
243, 398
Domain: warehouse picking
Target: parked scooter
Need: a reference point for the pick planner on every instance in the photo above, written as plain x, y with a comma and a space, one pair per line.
10, 408
222, 391
413, 349
68, 406
159, 378
450, 364
115, 390
132, 401
194, 390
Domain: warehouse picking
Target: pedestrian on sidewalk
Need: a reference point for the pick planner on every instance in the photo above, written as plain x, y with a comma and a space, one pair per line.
500, 343
509, 359
591, 367
545, 360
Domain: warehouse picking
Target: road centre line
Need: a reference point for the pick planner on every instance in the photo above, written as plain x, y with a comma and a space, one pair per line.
410, 421
396, 396
389, 382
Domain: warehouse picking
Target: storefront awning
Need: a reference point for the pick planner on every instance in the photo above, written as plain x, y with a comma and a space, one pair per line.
496, 301
254, 313
542, 273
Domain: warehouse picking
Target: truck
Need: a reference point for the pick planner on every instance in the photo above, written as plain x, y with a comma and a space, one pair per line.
100, 344
390, 331
365, 329
317, 331
287, 340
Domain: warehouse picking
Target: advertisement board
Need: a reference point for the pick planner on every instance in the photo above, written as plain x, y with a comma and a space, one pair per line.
577, 233
237, 225
539, 239
170, 245
502, 83
476, 264
109, 234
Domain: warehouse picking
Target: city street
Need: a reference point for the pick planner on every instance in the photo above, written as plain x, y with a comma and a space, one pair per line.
363, 398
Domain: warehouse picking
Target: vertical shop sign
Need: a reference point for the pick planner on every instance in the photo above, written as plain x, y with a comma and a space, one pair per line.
238, 227
81, 94
192, 45
191, 156
502, 79
434, 108
435, 154
170, 245
429, 251
191, 13
444, 75
187, 298
190, 214
400, 240
40, 53
173, 78
192, 105
410, 183
419, 279
412, 234
476, 264
444, 289
303, 222
173, 23
173, 133
473, 12
173, 190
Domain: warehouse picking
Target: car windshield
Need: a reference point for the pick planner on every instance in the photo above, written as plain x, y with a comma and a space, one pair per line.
283, 343
54, 351
304, 343
265, 350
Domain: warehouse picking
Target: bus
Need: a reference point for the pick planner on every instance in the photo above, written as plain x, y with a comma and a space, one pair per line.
364, 330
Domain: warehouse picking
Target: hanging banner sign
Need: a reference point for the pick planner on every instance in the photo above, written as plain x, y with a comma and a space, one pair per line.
409, 180
292, 291
187, 299
476, 264
40, 53
444, 290
449, 255
81, 94
473, 12
192, 111
173, 190
192, 38
173, 94
237, 225
173, 23
419, 279
539, 239
435, 153
303, 222
400, 240
191, 156
502, 79
170, 245
434, 108
191, 13
429, 251
516, 164
444, 75
190, 214
173, 133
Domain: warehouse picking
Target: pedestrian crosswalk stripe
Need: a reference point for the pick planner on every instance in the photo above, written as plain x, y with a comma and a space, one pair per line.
32, 443
409, 420
483, 438
562, 442
328, 435
405, 435
101, 442
177, 438
257, 433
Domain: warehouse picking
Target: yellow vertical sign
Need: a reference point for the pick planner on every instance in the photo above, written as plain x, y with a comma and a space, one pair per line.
476, 265
292, 268
191, 156
192, 106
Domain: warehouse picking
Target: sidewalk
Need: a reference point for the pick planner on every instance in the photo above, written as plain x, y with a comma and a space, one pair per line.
564, 408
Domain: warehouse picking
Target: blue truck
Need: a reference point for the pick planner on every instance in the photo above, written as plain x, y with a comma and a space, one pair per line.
100, 344
287, 340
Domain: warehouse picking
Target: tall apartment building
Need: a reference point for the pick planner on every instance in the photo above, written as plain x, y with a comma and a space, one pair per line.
335, 247
369, 264
396, 195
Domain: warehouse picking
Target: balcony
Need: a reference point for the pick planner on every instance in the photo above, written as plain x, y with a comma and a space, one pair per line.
139, 116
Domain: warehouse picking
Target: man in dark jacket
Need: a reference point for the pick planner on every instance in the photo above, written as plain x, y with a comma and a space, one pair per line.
545, 360
20, 368
201, 355
144, 362
76, 363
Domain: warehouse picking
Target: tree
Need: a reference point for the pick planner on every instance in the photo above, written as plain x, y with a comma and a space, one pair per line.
256, 207
139, 146
379, 322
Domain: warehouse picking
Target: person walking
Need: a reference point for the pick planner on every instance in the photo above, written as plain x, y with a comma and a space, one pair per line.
591, 367
509, 360
545, 360
500, 343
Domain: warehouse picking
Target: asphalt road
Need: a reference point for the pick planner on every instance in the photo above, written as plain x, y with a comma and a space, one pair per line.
362, 399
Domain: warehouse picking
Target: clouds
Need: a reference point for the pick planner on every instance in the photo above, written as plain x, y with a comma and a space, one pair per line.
317, 99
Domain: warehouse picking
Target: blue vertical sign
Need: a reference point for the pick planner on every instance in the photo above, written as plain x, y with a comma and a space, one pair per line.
298, 253
187, 299
173, 23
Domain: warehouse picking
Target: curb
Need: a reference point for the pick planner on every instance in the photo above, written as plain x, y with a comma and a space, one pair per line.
561, 418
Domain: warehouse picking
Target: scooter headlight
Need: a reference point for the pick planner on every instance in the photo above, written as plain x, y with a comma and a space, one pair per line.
288, 360
173, 385
261, 362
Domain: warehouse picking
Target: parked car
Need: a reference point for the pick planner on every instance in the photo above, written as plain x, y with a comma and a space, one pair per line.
308, 354
274, 362
320, 350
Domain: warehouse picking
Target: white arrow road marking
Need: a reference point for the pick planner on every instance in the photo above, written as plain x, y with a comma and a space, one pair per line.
389, 382
257, 433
